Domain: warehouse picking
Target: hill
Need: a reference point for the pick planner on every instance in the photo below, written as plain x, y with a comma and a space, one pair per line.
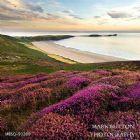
10, 46
15, 55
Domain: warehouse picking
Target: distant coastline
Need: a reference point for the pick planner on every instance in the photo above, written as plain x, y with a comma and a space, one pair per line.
99, 35
44, 33
44, 38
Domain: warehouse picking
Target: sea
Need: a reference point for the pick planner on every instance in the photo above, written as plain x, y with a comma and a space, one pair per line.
124, 45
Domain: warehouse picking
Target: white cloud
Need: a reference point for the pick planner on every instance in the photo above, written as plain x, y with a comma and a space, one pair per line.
124, 12
119, 14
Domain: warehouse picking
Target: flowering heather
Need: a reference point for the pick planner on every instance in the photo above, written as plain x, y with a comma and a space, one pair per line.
5, 94
134, 91
77, 82
18, 78
56, 127
129, 100
29, 87
2, 78
60, 74
103, 72
54, 82
119, 80
22, 83
125, 72
30, 98
3, 125
33, 80
85, 97
15, 79
5, 104
66, 104
7, 85
88, 100
127, 121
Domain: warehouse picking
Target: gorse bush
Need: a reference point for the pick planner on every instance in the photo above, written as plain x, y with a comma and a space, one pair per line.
65, 105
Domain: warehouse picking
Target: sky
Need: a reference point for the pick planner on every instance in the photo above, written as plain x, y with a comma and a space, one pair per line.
70, 15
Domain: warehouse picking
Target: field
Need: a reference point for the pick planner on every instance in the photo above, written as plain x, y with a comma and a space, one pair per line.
57, 101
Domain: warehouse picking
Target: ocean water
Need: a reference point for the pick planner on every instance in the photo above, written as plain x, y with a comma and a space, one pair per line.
125, 45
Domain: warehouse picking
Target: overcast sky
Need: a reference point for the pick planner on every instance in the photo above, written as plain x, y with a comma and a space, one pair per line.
70, 15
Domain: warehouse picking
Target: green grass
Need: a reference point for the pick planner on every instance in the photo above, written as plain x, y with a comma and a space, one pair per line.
32, 68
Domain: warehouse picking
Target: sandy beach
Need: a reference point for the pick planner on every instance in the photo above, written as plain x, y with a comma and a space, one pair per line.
73, 54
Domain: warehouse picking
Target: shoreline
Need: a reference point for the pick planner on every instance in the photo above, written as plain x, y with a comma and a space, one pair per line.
52, 48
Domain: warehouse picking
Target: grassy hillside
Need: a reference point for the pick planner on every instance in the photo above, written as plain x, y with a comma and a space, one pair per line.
13, 47
15, 57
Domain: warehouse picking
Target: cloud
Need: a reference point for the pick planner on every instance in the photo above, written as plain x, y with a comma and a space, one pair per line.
35, 8
53, 4
97, 17
22, 14
75, 16
20, 5
52, 16
133, 18
6, 17
127, 12
23, 10
117, 14
137, 8
19, 10
68, 11
101, 21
